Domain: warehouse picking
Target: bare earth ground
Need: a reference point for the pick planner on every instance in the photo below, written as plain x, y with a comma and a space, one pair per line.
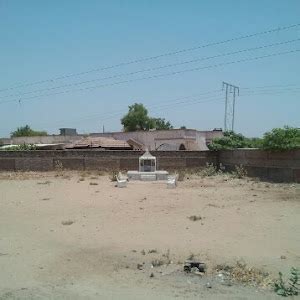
43, 255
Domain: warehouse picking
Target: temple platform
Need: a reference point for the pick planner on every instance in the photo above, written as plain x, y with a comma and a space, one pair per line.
147, 176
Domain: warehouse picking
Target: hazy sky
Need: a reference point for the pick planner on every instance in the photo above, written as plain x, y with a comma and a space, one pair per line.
43, 40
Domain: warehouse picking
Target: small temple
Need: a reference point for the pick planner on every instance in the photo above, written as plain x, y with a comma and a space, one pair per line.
147, 169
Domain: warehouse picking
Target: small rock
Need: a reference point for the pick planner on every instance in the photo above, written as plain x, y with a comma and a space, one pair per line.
208, 285
151, 275
139, 266
283, 257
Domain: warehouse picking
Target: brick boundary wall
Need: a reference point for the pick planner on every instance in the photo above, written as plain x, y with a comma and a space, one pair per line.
46, 160
274, 166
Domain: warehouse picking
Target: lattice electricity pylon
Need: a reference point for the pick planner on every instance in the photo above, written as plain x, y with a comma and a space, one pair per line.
230, 93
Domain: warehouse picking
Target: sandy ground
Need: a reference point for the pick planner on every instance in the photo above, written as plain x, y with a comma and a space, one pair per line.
113, 230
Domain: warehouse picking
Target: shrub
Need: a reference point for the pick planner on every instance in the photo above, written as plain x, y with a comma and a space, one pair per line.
113, 175
290, 288
27, 131
230, 140
23, 147
239, 172
209, 170
279, 139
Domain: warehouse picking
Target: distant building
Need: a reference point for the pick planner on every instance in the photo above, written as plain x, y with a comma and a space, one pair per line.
166, 140
68, 131
159, 140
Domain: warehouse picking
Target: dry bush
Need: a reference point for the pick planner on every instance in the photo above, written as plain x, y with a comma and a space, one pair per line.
113, 175
239, 172
242, 273
209, 170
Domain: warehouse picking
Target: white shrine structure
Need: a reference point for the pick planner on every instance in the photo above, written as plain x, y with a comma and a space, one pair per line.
147, 169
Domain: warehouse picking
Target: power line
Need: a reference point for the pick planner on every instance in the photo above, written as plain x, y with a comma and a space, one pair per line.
166, 104
151, 106
159, 75
153, 57
151, 69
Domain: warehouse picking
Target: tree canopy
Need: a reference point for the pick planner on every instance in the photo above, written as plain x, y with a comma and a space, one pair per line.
230, 140
278, 139
27, 131
137, 118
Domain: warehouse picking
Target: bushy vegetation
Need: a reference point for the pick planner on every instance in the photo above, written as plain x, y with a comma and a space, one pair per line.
23, 147
27, 131
230, 140
289, 288
278, 139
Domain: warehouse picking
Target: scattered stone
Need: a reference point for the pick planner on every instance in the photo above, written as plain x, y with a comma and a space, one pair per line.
133, 250
283, 257
68, 222
93, 183
143, 252
151, 275
194, 266
139, 266
208, 285
195, 218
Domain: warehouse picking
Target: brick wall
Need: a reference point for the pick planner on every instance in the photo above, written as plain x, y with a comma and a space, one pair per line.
275, 166
99, 160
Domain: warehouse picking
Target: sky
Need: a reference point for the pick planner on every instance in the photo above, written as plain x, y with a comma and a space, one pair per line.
79, 64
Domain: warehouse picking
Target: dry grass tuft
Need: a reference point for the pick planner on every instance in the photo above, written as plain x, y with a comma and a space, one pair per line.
44, 182
242, 273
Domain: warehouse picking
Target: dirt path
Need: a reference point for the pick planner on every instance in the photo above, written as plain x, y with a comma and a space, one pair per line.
109, 231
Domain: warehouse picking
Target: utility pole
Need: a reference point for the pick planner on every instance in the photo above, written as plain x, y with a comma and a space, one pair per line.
229, 104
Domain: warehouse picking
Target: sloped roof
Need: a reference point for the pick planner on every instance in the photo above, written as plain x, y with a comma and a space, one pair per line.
136, 144
99, 142
147, 155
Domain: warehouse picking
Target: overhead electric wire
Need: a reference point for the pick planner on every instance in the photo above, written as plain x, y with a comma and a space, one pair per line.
152, 57
271, 86
152, 69
158, 76
151, 106
169, 104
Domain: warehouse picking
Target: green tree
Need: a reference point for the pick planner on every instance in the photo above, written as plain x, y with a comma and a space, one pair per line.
279, 139
162, 124
27, 131
230, 140
137, 118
